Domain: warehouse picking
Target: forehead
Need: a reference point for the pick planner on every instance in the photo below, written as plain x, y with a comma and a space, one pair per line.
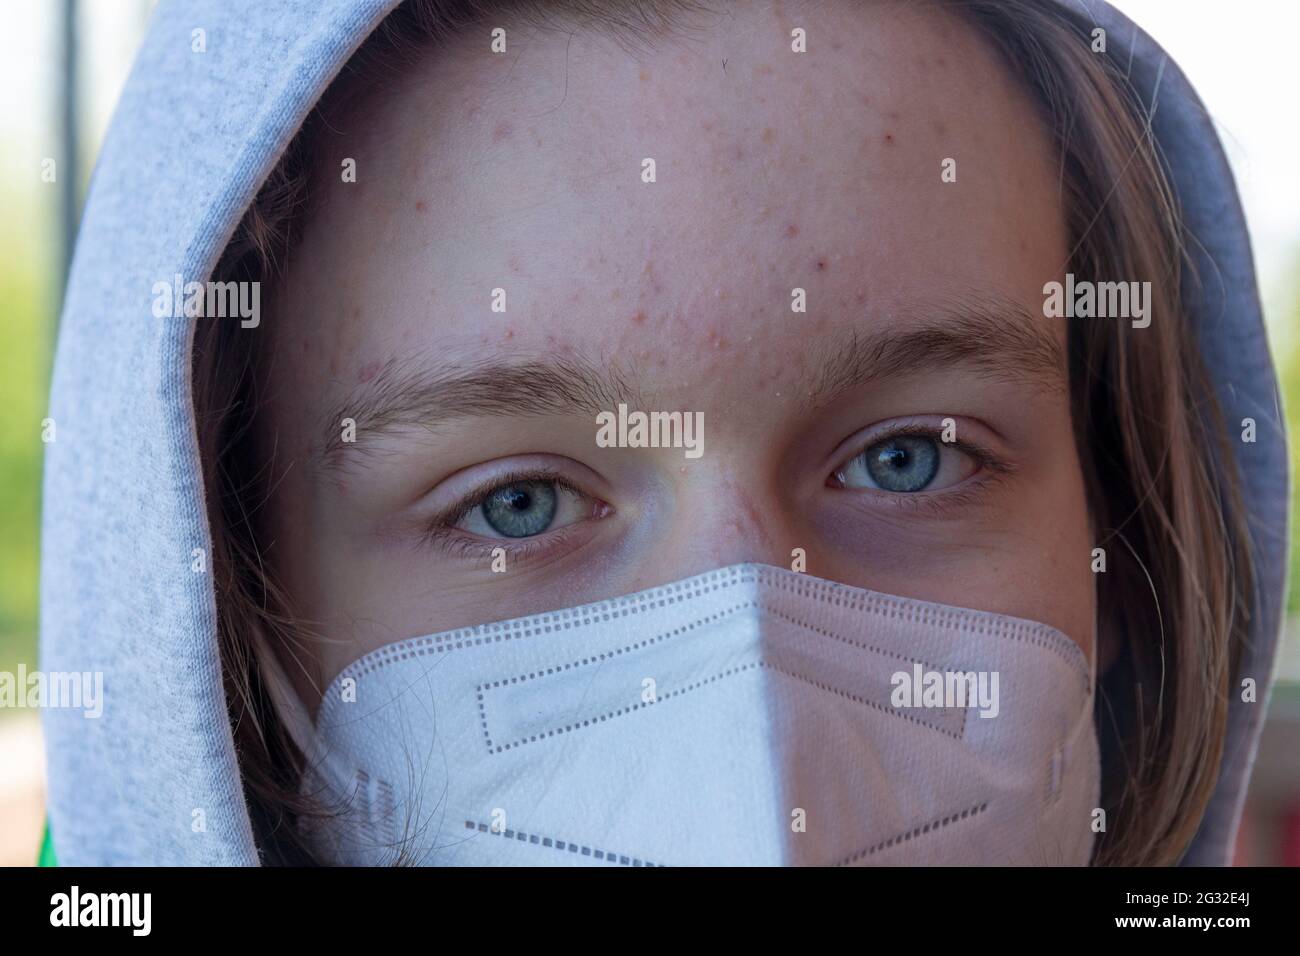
773, 170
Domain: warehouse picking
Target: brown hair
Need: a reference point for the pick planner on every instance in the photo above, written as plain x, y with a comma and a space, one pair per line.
1161, 482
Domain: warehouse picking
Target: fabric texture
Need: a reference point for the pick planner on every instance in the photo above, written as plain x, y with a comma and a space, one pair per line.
154, 780
683, 724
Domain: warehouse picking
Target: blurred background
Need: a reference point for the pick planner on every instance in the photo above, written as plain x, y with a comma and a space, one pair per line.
62, 67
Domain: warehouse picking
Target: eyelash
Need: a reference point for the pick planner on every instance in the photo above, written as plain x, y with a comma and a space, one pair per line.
980, 454
942, 502
440, 530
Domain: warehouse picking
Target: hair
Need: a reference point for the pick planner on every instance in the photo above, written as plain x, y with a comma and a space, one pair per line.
1162, 485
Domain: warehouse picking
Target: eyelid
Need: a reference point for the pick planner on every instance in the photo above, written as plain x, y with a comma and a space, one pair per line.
465, 544
439, 529
873, 435
482, 490
978, 452
465, 487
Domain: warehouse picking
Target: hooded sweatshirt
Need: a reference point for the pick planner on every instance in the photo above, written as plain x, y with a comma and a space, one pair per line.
193, 139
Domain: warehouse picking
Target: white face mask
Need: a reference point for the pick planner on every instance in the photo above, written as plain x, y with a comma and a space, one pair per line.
750, 715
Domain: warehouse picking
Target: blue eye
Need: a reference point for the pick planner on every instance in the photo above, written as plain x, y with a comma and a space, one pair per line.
905, 464
515, 505
521, 509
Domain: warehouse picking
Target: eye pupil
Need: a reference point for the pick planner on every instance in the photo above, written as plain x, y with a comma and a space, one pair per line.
905, 463
894, 457
521, 509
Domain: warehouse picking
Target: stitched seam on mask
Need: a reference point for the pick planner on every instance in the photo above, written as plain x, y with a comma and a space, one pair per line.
680, 691
674, 593
847, 640
915, 832
712, 618
622, 711
375, 819
547, 623
534, 839
897, 608
892, 711
594, 659
965, 716
1025, 631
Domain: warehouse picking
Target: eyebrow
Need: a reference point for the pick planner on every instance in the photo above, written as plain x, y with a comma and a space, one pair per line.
409, 393
997, 338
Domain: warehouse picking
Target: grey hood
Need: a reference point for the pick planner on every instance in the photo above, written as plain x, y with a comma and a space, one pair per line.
192, 141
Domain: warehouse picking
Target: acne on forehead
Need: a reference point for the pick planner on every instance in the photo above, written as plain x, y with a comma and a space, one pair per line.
777, 172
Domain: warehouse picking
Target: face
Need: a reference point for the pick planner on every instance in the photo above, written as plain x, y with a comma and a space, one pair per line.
908, 429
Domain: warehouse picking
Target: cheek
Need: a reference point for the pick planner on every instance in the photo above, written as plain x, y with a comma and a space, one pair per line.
1028, 556
1041, 568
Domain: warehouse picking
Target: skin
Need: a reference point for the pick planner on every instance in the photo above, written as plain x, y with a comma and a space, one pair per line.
783, 170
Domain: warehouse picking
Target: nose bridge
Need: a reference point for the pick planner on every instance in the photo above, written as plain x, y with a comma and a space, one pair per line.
728, 518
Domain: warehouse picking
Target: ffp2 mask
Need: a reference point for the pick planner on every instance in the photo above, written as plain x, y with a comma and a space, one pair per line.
748, 715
